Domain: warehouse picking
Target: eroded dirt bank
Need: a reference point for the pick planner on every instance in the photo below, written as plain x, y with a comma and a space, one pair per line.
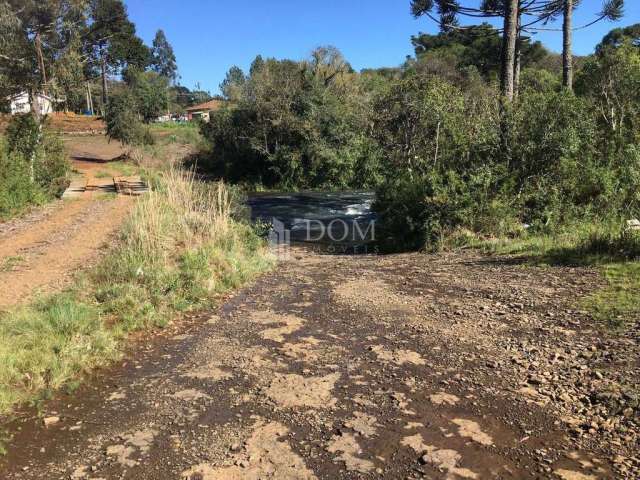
411, 366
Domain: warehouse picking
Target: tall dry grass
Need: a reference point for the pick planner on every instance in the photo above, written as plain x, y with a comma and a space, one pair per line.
182, 212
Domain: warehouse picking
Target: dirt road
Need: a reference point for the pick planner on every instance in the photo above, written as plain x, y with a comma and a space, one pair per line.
410, 366
41, 251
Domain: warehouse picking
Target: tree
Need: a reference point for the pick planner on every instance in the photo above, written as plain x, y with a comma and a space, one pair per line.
619, 36
478, 46
32, 45
164, 60
150, 91
34, 37
68, 82
449, 11
612, 79
112, 43
509, 43
232, 83
122, 120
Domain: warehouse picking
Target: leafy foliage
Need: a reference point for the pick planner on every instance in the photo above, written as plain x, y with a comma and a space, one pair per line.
150, 90
478, 46
572, 158
122, 120
33, 166
164, 60
295, 124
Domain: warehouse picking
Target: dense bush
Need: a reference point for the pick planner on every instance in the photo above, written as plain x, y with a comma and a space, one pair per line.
33, 165
448, 161
123, 121
295, 125
571, 158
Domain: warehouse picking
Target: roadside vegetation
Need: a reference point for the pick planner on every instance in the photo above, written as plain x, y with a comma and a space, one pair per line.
33, 166
179, 251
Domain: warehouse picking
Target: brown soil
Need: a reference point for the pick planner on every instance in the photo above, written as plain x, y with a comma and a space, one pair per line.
67, 123
41, 251
456, 366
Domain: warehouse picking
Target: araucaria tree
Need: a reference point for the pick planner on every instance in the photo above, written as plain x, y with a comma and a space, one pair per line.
111, 41
611, 10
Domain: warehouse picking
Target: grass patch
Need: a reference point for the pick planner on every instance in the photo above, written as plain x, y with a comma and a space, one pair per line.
618, 304
9, 263
180, 133
103, 174
119, 167
179, 250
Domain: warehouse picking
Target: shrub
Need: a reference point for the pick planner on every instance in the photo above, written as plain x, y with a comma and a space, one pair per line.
33, 165
123, 121
422, 211
17, 191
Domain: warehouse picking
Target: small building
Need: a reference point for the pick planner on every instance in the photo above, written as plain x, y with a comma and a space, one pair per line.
164, 118
202, 110
20, 103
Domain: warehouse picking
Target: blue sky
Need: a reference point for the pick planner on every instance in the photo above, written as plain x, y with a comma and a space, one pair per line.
209, 36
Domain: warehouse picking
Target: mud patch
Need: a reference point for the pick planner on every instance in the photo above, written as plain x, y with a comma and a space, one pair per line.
306, 350
190, 395
448, 460
363, 424
571, 475
416, 442
139, 441
367, 293
291, 391
209, 372
116, 396
442, 459
265, 456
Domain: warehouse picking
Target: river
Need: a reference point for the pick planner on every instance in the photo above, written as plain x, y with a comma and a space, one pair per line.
323, 218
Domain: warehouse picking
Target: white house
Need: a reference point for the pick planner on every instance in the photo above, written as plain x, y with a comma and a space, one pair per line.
20, 103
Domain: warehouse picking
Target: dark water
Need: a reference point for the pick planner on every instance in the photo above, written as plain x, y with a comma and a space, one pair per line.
344, 218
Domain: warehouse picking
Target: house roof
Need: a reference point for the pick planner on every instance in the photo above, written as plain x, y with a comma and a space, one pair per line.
16, 95
210, 105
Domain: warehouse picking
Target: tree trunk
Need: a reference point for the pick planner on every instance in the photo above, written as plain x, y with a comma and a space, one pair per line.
43, 73
518, 62
509, 40
567, 54
105, 94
